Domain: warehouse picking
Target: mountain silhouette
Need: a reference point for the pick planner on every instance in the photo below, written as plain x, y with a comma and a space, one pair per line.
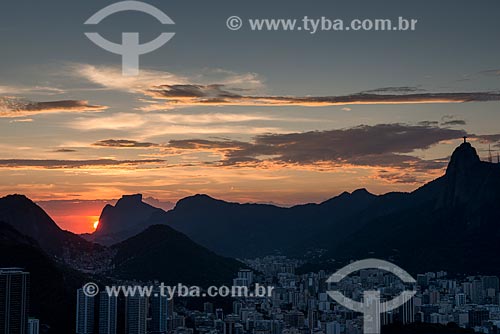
438, 226
137, 257
266, 229
258, 226
453, 223
433, 227
32, 221
247, 230
470, 181
128, 217
454, 216
60, 266
469, 188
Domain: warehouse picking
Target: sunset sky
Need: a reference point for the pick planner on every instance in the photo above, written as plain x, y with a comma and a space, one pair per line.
271, 117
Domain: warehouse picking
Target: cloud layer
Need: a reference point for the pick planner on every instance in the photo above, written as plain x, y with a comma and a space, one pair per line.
190, 95
378, 145
14, 107
166, 91
123, 143
54, 164
489, 139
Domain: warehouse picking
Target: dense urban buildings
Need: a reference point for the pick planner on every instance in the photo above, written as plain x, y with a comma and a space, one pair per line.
108, 313
136, 314
159, 306
33, 326
14, 297
300, 304
84, 313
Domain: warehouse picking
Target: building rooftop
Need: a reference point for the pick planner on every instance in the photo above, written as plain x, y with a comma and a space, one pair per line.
12, 270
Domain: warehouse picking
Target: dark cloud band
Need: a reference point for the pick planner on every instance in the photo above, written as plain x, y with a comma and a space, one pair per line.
387, 145
223, 95
123, 143
13, 107
19, 163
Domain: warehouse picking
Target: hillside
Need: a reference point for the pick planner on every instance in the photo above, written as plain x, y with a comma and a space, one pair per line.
163, 254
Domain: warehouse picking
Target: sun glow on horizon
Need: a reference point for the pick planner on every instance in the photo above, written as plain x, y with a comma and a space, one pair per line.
96, 223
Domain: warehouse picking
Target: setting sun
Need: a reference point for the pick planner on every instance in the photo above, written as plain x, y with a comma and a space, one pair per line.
96, 223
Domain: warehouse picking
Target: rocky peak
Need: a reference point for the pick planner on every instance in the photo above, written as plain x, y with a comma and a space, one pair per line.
468, 179
463, 159
129, 200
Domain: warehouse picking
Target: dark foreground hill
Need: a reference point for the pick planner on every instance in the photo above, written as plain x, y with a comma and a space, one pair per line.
52, 285
163, 254
32, 221
159, 252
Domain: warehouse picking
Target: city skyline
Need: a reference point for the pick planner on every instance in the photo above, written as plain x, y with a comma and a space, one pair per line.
298, 303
